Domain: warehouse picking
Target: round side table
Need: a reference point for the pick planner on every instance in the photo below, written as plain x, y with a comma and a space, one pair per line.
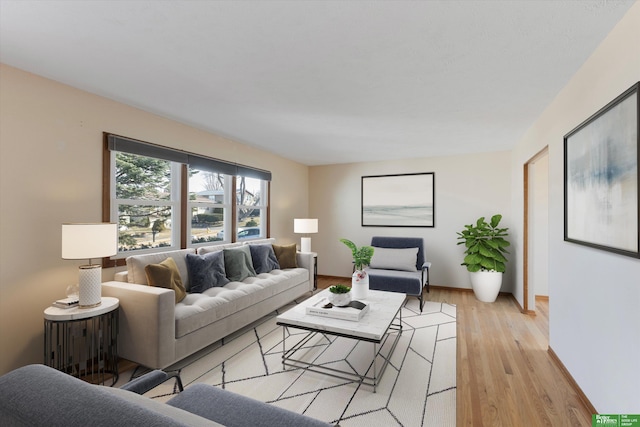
83, 342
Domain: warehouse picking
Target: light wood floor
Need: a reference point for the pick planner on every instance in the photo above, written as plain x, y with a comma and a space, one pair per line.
505, 376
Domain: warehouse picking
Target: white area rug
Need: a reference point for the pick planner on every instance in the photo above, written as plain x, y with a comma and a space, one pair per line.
418, 387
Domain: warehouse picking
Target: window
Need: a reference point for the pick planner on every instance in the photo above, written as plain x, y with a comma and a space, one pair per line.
251, 208
167, 199
146, 202
209, 206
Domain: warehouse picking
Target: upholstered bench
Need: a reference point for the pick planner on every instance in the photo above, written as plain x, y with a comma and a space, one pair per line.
398, 265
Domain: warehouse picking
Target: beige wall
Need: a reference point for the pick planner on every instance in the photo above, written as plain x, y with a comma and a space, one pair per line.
51, 172
466, 188
594, 296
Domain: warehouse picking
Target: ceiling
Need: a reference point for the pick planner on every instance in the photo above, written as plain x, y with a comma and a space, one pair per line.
320, 82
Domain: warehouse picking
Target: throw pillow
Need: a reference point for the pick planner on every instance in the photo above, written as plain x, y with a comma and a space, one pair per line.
286, 255
237, 264
394, 259
166, 275
206, 271
264, 259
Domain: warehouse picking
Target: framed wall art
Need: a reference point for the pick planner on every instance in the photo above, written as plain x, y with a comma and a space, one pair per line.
405, 200
601, 181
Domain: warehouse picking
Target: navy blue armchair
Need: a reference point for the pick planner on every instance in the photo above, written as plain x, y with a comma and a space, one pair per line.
398, 265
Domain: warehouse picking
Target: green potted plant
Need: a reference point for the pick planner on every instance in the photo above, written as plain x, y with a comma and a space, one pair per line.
485, 244
361, 258
339, 295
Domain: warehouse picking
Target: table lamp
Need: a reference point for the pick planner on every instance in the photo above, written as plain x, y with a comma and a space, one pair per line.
305, 226
87, 241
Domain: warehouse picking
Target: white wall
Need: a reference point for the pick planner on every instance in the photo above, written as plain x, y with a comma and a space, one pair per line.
594, 295
466, 188
51, 172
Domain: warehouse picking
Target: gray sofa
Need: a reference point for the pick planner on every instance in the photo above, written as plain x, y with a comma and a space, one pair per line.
156, 332
398, 265
36, 395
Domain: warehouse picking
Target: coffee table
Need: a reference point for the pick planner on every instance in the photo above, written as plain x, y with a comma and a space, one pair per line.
383, 320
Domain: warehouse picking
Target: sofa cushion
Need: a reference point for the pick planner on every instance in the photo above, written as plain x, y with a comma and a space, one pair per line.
286, 255
215, 248
407, 282
199, 310
206, 271
394, 259
264, 258
232, 409
137, 263
238, 264
166, 275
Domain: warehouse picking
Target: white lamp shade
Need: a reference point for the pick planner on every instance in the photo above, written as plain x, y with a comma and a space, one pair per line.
305, 225
86, 241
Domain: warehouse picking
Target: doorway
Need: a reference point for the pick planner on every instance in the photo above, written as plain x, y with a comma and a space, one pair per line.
536, 231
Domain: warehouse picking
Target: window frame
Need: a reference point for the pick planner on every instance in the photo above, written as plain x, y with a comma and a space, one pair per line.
181, 218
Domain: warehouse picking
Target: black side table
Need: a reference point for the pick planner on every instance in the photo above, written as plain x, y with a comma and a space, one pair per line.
83, 342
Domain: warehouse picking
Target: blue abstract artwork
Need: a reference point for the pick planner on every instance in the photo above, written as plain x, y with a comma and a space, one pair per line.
601, 178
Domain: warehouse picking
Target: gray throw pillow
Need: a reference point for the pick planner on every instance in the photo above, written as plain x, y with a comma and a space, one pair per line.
237, 264
206, 271
264, 258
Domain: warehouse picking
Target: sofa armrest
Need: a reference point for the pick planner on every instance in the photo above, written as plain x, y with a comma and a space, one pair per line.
147, 323
306, 260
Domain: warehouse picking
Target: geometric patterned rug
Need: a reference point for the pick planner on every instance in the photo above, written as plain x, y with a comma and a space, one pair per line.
418, 387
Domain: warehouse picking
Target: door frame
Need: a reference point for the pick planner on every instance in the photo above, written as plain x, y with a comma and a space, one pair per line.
525, 240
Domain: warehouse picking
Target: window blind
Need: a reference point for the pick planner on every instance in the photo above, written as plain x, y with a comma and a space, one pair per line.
132, 146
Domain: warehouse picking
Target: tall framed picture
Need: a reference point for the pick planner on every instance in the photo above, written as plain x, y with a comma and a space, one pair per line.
405, 200
601, 182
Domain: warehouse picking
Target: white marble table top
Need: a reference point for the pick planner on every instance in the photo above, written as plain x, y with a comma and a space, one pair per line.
372, 326
76, 313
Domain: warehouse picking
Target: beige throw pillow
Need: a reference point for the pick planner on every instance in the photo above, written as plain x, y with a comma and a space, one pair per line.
166, 275
286, 255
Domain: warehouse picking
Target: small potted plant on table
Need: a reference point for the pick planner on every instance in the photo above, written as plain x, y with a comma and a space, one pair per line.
339, 295
361, 258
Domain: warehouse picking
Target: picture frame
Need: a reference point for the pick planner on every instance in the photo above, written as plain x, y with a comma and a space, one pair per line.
601, 180
402, 200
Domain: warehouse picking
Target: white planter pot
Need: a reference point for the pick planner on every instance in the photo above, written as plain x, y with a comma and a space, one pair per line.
340, 299
486, 285
359, 285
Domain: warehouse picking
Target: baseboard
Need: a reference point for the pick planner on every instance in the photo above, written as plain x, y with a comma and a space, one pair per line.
337, 278
450, 288
572, 382
522, 310
542, 298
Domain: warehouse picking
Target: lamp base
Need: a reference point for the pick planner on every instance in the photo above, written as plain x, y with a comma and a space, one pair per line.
305, 244
90, 285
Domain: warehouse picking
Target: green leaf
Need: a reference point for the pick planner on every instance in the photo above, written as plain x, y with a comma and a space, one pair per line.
473, 259
495, 220
488, 264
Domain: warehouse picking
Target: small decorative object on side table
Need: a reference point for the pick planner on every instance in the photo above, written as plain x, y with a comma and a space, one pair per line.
83, 342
